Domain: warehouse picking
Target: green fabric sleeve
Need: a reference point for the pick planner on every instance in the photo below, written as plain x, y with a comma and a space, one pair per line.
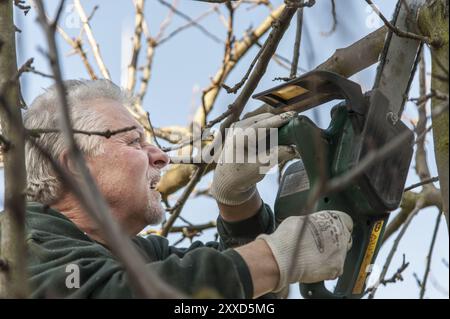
233, 234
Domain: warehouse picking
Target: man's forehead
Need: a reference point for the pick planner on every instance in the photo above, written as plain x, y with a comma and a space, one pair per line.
117, 116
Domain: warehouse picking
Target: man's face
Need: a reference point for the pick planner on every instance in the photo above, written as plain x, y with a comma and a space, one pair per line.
128, 170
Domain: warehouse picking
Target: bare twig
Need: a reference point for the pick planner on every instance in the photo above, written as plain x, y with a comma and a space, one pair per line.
237, 86
136, 47
417, 208
220, 117
146, 73
298, 39
194, 21
150, 125
396, 30
424, 98
187, 229
92, 42
283, 61
397, 276
166, 22
77, 45
335, 22
430, 252
22, 6
424, 182
190, 20
177, 208
107, 133
28, 67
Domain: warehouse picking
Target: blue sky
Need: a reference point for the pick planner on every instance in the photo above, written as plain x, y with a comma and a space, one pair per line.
184, 65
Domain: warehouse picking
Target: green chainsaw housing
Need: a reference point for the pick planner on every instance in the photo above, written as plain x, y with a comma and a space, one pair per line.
358, 127
300, 178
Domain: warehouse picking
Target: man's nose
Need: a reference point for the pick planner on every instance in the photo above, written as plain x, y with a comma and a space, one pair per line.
156, 157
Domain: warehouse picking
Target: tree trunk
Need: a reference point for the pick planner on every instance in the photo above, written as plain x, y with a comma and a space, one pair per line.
13, 279
433, 22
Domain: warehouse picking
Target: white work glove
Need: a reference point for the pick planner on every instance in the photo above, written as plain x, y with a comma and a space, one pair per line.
235, 181
321, 251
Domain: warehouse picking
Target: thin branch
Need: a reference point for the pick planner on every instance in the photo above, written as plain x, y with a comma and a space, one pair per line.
77, 45
186, 229
202, 192
335, 22
165, 23
298, 39
92, 42
190, 20
431, 197
221, 117
136, 47
417, 208
430, 252
423, 182
396, 30
177, 208
28, 67
421, 156
162, 40
424, 98
238, 85
228, 57
107, 133
146, 73
152, 131
283, 61
397, 276
22, 6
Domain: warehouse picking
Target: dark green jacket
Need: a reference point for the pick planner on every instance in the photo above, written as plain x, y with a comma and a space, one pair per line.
54, 242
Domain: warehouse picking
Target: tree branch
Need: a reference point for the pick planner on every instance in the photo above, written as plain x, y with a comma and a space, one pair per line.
93, 43
417, 208
430, 252
13, 277
298, 39
136, 47
108, 133
396, 30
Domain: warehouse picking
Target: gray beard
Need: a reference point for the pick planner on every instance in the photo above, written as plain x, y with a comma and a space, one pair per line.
154, 215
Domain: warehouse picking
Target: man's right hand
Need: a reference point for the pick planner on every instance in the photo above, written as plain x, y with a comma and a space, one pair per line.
321, 252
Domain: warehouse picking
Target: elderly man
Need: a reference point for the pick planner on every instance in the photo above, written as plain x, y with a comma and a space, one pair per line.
251, 259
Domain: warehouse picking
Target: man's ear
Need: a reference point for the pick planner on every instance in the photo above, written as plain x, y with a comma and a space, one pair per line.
67, 164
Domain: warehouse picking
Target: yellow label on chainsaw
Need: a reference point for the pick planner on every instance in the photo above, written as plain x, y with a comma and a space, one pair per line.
370, 251
290, 92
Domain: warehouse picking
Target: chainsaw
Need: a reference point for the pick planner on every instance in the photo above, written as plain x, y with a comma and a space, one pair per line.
360, 125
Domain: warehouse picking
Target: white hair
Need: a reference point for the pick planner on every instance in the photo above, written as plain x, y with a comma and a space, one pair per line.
43, 184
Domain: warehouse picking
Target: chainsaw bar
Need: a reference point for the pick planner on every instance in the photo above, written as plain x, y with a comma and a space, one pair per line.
399, 58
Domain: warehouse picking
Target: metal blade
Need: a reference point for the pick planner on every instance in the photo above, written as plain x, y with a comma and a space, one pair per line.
399, 57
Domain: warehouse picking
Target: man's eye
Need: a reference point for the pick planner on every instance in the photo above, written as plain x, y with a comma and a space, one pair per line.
136, 141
